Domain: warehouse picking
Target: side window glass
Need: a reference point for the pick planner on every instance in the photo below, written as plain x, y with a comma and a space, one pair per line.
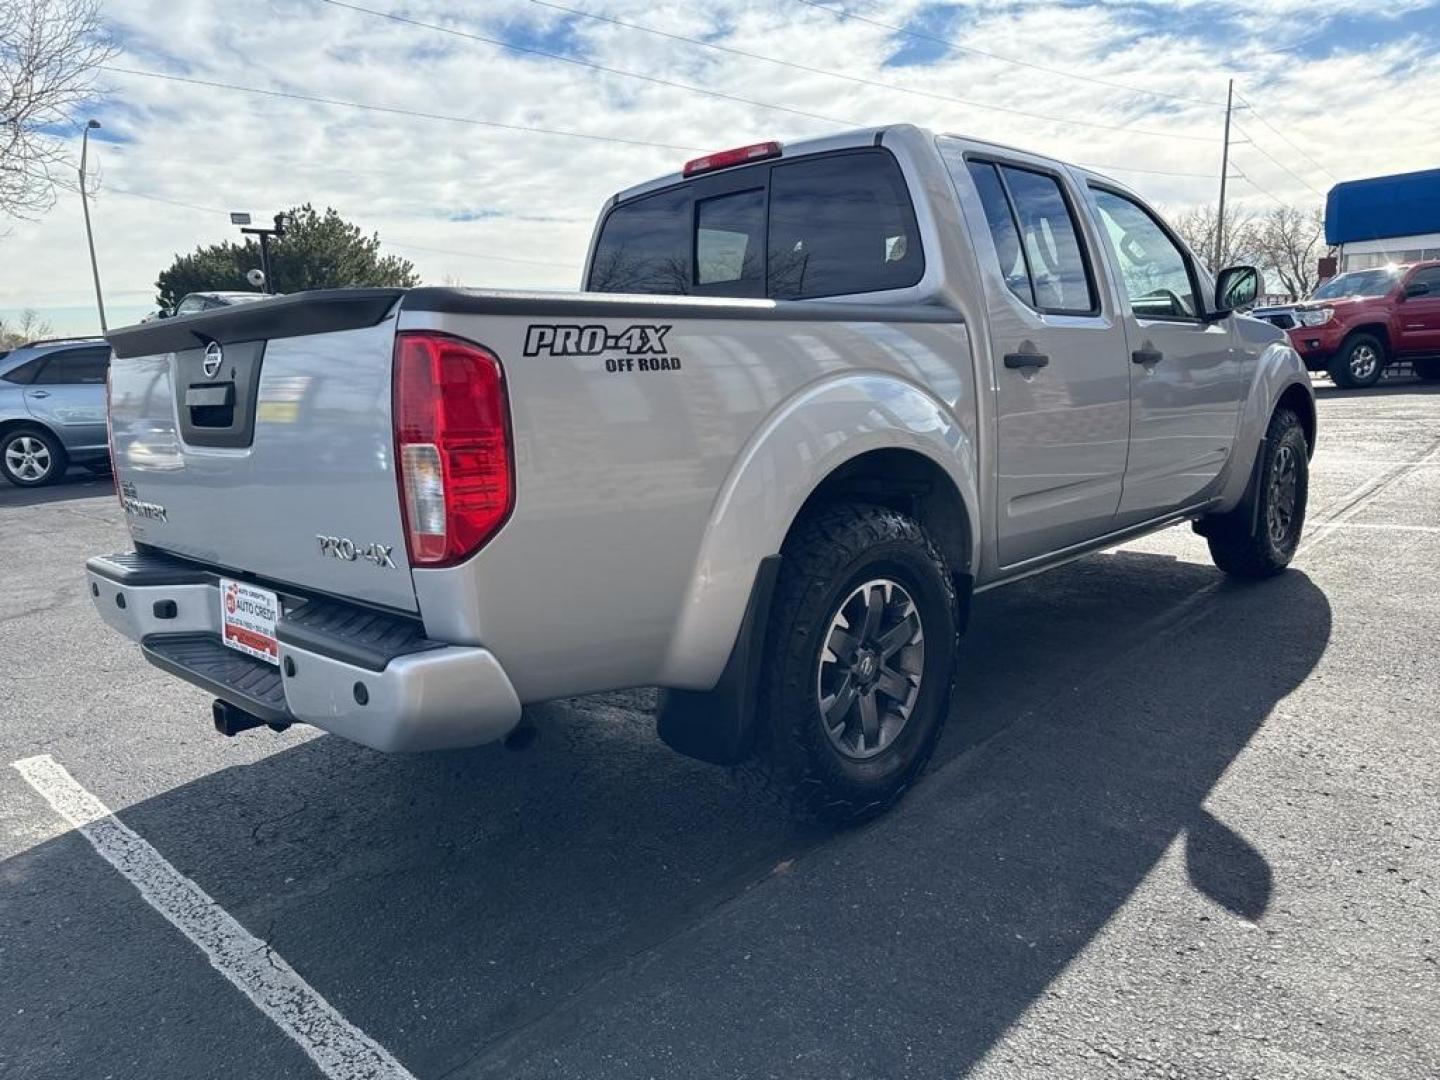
644, 246
25, 373
76, 366
730, 241
1002, 229
841, 224
1051, 242
1154, 270
1429, 276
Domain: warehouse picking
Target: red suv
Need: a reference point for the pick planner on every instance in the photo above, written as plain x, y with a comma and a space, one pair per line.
1355, 324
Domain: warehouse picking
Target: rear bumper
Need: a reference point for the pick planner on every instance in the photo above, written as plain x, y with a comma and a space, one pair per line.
369, 677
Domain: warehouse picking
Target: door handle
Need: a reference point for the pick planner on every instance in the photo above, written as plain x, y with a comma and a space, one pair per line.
1026, 360
1147, 355
39, 393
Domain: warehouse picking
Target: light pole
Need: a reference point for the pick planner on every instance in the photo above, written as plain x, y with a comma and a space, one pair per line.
89, 236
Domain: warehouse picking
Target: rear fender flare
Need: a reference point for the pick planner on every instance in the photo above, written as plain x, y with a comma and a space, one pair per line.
802, 442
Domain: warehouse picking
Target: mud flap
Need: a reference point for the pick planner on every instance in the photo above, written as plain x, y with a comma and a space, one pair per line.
717, 725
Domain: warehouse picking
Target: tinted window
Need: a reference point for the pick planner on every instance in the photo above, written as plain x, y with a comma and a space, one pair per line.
1154, 270
730, 241
1002, 229
645, 246
1052, 244
24, 373
1428, 276
74, 366
841, 224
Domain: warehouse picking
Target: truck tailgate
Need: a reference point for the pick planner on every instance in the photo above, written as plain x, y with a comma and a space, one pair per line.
258, 439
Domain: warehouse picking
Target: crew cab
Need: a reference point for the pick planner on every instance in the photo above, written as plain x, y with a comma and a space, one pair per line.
812, 398
1356, 324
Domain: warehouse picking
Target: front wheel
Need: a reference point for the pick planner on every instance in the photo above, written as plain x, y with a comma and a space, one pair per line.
1259, 537
1359, 363
30, 457
860, 656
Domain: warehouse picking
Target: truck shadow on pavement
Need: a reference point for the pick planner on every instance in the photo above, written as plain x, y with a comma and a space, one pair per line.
596, 906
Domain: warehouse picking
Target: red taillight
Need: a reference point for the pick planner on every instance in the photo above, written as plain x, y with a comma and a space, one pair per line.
452, 446
723, 159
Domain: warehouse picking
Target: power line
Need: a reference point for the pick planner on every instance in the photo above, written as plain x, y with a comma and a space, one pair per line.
397, 111
562, 58
857, 79
935, 38
1150, 172
1280, 164
1242, 175
1285, 139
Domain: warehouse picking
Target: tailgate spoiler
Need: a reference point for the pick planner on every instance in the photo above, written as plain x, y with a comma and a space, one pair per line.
295, 315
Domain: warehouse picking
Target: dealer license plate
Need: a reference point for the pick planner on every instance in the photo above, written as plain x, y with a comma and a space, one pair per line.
247, 619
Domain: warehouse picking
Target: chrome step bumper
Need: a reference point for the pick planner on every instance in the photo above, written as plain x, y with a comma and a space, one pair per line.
371, 677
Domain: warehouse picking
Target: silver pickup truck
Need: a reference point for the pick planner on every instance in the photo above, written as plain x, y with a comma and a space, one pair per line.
812, 398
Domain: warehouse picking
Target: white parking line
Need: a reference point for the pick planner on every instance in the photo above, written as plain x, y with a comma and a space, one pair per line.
1378, 525
341, 1050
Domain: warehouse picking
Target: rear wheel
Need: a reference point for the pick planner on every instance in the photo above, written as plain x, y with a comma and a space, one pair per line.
859, 661
1359, 363
31, 457
1429, 370
1259, 537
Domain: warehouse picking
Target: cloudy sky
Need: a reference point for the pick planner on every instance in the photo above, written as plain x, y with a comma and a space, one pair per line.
537, 110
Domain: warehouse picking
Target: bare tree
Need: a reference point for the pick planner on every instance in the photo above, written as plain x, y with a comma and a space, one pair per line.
27, 327
50, 51
1288, 242
1285, 243
1196, 227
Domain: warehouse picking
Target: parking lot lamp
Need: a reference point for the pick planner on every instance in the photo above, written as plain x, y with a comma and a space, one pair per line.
89, 236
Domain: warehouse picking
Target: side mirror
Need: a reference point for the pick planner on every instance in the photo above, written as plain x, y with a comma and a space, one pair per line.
163, 313
1418, 288
1236, 287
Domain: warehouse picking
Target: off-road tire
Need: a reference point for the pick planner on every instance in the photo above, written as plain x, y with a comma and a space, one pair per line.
1241, 541
1427, 370
15, 468
831, 553
1342, 368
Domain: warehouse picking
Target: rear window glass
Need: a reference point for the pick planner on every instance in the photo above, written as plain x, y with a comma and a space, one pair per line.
730, 239
841, 224
645, 246
821, 226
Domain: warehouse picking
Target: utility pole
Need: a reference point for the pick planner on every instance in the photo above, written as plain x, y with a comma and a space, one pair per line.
1224, 173
89, 236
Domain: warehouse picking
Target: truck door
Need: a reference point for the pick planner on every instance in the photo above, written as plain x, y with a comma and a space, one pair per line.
1418, 313
1059, 369
1184, 369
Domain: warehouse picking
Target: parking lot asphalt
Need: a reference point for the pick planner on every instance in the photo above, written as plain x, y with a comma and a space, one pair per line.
1178, 827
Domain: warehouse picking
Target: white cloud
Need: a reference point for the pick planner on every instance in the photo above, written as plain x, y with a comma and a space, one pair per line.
437, 190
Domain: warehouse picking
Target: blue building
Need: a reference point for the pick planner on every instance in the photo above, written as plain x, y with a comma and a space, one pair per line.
1384, 219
